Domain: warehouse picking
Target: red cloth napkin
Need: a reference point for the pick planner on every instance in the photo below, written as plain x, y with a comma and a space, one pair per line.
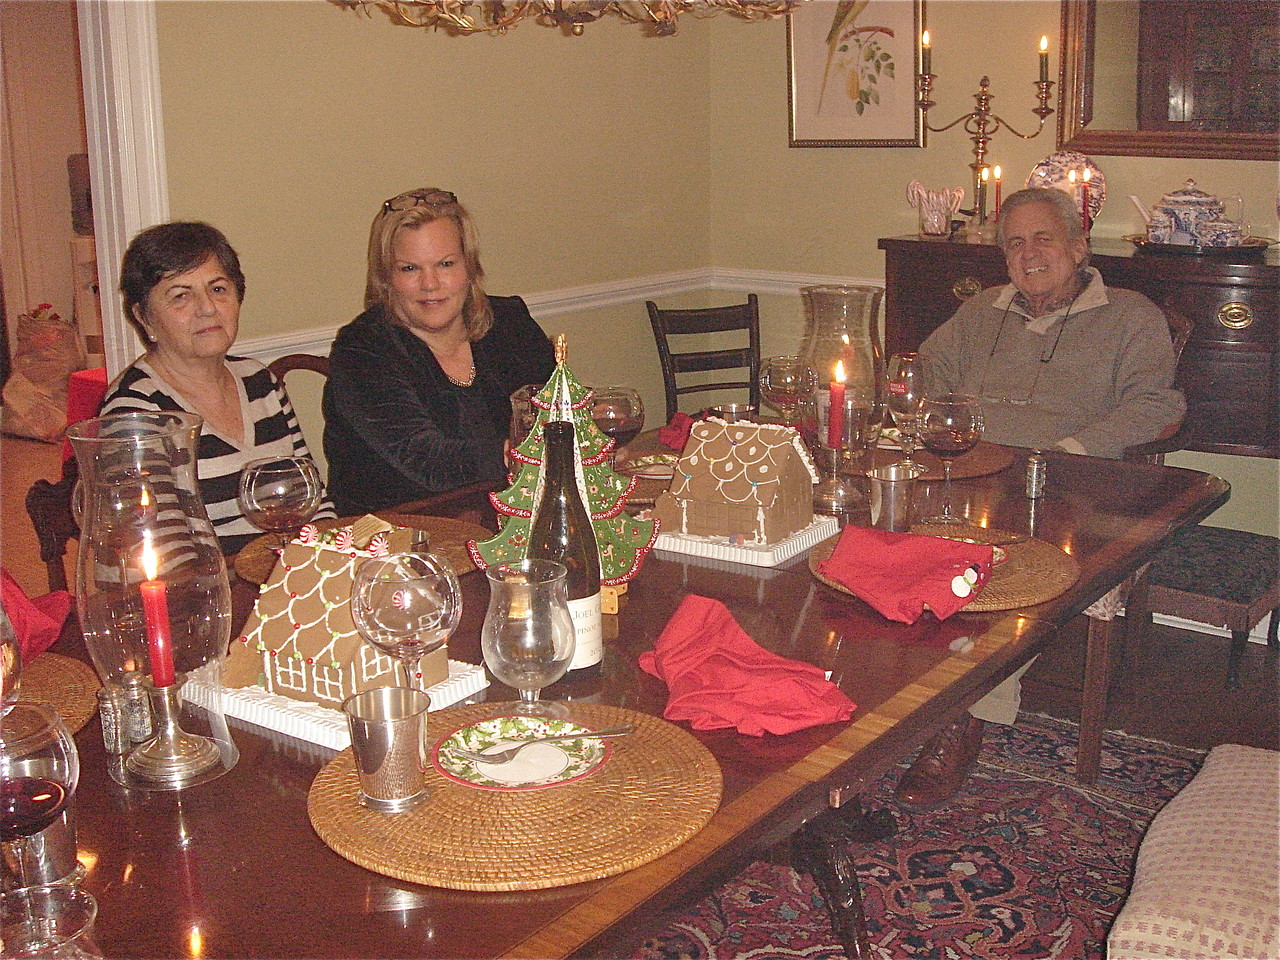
720, 678
898, 573
36, 622
676, 433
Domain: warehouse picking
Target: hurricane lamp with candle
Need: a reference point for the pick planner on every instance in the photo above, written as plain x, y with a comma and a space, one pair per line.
152, 591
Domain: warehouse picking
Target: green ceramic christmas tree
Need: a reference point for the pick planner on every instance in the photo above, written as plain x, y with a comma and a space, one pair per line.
623, 541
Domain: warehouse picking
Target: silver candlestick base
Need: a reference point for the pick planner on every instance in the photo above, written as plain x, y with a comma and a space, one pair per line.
172, 757
836, 492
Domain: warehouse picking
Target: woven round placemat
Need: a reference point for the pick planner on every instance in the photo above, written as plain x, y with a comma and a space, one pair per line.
1034, 572
449, 538
658, 788
69, 686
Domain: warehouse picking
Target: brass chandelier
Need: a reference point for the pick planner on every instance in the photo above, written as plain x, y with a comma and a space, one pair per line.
659, 17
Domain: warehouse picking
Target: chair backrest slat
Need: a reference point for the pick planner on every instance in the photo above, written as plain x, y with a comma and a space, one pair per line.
707, 320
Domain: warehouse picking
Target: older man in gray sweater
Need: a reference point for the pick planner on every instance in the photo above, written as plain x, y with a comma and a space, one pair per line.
1058, 360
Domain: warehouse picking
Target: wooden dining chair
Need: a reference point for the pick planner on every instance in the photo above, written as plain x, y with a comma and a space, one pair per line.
49, 507
1225, 578
743, 317
281, 366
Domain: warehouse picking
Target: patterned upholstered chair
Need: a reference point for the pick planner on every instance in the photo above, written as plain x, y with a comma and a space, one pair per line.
1205, 884
1226, 578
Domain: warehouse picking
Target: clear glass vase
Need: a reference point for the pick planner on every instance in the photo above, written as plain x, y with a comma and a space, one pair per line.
152, 591
841, 323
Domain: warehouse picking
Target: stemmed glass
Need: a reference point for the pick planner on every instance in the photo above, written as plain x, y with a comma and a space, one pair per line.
619, 413
10, 663
39, 768
280, 494
905, 379
527, 637
785, 383
950, 426
406, 605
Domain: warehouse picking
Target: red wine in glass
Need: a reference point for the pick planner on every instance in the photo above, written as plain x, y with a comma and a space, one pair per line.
622, 429
618, 412
28, 805
950, 426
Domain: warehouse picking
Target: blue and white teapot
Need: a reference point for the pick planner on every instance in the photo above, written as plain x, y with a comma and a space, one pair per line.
1191, 216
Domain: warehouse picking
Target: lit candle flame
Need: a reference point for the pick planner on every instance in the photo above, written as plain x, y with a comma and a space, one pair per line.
924, 39
1044, 44
997, 171
1088, 174
1071, 176
986, 174
150, 562
839, 371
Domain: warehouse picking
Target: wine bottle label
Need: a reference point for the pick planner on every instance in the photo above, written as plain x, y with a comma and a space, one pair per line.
588, 632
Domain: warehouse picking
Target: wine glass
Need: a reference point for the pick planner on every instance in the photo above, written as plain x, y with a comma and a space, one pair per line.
785, 383
280, 494
39, 768
406, 605
528, 637
619, 413
10, 662
950, 426
905, 380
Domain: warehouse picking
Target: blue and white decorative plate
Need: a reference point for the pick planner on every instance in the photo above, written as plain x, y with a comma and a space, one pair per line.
1052, 172
536, 767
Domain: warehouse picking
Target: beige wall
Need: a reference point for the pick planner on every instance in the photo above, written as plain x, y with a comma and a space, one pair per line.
42, 124
588, 159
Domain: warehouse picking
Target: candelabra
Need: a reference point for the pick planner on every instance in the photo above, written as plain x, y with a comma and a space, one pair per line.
981, 124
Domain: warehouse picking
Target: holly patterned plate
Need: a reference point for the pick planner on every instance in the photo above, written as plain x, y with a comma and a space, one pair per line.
536, 767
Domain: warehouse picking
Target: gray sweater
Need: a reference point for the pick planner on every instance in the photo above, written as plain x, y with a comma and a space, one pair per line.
1093, 378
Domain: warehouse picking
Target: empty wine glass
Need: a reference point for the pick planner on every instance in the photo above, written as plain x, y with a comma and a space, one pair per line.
406, 605
950, 426
280, 494
619, 413
785, 384
39, 768
905, 380
528, 638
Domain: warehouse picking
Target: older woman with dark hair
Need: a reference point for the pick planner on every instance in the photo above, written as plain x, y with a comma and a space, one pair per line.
182, 288
417, 400
1058, 359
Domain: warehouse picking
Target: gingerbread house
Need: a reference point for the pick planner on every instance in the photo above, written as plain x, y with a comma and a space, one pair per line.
749, 482
300, 641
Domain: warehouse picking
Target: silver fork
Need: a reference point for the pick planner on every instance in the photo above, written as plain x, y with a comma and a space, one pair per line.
508, 753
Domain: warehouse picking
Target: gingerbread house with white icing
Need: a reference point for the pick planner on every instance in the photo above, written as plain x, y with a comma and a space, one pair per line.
300, 641
749, 482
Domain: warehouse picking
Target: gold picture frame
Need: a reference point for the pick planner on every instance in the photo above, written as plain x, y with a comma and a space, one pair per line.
851, 73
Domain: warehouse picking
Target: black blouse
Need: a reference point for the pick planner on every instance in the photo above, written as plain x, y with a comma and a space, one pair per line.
397, 429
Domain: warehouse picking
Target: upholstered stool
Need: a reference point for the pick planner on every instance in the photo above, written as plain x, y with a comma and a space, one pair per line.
1225, 578
1206, 879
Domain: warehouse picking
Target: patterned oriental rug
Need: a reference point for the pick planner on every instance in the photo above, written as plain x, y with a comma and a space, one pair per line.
1024, 863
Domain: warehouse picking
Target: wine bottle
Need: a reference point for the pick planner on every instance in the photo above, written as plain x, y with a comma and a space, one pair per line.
561, 530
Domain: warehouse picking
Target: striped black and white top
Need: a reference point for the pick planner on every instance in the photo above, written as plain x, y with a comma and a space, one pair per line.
271, 429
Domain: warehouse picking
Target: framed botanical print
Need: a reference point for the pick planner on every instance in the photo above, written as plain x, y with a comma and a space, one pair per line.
851, 67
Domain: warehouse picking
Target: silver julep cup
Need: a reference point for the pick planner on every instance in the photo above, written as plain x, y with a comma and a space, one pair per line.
388, 739
891, 493
48, 856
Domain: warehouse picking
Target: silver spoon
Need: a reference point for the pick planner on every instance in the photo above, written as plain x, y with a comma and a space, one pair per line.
508, 753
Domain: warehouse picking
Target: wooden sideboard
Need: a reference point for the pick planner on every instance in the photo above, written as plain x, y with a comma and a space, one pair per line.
1230, 369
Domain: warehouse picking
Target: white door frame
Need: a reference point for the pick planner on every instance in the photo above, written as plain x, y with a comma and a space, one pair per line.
124, 130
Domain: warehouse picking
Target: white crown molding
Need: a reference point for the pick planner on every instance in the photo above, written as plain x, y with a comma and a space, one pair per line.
125, 134
591, 296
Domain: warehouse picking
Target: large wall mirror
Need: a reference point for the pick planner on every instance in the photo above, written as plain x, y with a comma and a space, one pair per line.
1171, 78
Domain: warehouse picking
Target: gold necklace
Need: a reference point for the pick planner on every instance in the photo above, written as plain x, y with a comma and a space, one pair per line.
471, 377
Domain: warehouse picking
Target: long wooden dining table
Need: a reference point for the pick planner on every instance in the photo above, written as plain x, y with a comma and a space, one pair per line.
233, 868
